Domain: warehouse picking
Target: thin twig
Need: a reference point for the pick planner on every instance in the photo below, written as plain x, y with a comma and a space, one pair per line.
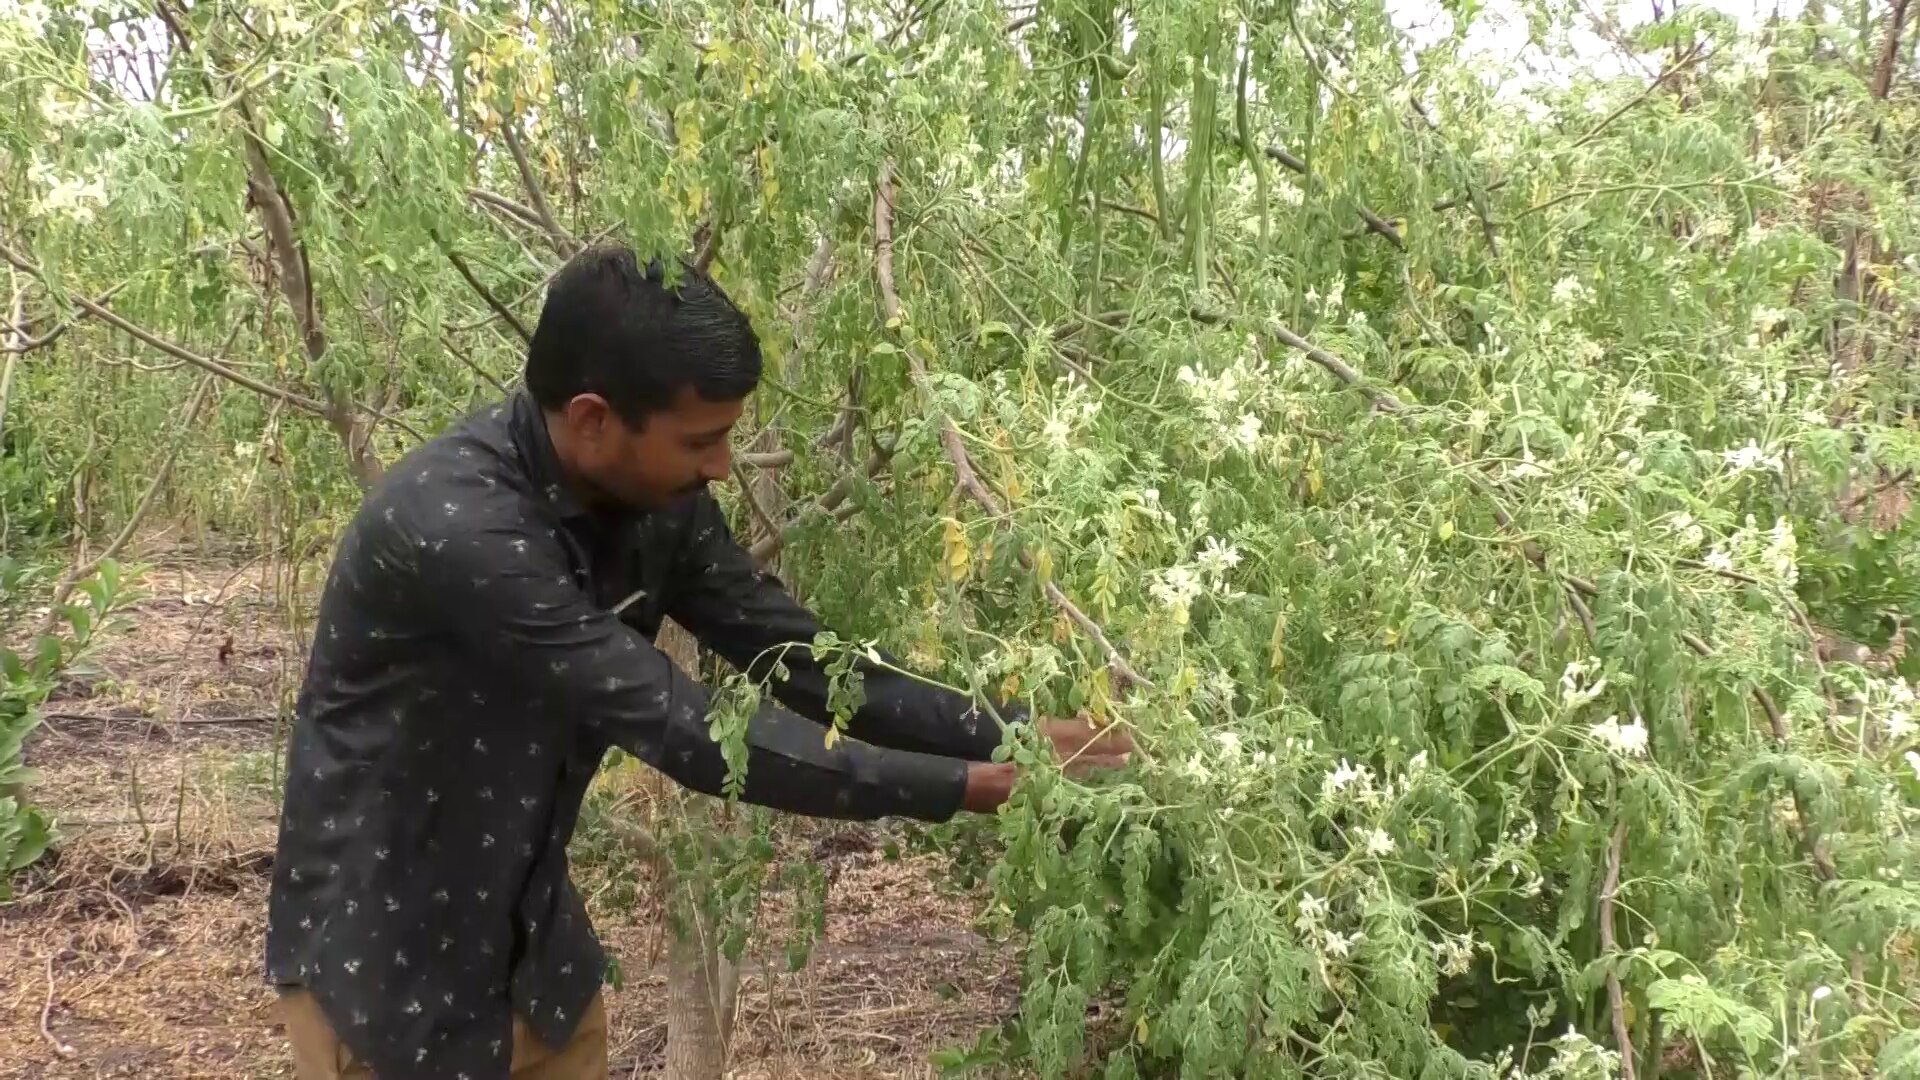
828, 505
486, 294
46, 1015
1686, 60
80, 572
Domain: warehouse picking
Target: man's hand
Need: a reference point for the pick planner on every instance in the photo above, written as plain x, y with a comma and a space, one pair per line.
1081, 748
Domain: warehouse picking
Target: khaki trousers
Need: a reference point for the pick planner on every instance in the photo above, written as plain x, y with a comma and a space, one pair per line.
318, 1055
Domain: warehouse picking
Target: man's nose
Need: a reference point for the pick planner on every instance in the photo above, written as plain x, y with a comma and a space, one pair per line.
719, 465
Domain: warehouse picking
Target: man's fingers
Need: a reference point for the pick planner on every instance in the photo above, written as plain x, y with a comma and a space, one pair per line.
1088, 763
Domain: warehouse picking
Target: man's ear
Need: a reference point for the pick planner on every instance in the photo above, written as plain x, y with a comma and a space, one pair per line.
588, 416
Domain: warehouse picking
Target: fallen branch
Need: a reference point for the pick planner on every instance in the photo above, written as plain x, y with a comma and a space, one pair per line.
964, 475
1578, 590
830, 504
296, 284
81, 571
764, 459
1616, 1001
1375, 223
205, 363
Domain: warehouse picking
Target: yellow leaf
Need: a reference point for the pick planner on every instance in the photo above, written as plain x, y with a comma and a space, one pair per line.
1446, 530
721, 54
1062, 629
1043, 565
1314, 480
1099, 692
1373, 141
1277, 645
958, 554
893, 323
806, 60
1140, 1030
1010, 686
1392, 636
833, 736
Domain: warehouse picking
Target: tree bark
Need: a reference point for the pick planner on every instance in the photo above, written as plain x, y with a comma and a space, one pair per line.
702, 985
702, 988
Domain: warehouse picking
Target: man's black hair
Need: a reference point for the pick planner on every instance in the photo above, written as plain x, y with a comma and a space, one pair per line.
610, 328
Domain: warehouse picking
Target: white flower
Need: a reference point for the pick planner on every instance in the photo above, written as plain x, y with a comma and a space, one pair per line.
1247, 434
1630, 740
1175, 590
1418, 762
1312, 910
1056, 431
1750, 457
1574, 690
1822, 993
1690, 532
1341, 946
1216, 558
1913, 759
1718, 559
1782, 547
1378, 843
1569, 291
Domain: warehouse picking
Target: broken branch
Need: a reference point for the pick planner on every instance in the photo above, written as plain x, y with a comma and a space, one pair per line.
964, 474
206, 363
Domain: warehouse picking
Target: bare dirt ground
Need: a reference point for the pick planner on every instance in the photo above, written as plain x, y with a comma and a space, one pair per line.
135, 948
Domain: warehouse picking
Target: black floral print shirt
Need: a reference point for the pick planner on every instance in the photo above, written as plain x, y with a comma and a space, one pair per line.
482, 641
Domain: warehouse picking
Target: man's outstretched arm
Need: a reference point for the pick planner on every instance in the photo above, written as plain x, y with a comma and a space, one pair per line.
506, 593
747, 616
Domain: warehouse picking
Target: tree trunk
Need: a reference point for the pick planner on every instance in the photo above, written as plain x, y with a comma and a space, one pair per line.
702, 985
702, 988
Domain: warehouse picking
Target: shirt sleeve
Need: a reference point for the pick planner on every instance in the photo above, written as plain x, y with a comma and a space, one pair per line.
746, 615
506, 594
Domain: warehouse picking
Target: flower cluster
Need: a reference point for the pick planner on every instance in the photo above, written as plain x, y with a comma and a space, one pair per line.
1226, 403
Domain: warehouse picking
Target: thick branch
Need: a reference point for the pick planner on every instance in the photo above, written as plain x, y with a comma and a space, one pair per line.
964, 475
1889, 50
1616, 1001
562, 241
297, 285
12, 349
829, 504
106, 315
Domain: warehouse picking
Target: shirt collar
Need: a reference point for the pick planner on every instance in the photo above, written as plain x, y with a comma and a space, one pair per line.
527, 426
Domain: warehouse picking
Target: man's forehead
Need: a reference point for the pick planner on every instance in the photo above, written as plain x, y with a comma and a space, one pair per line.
696, 415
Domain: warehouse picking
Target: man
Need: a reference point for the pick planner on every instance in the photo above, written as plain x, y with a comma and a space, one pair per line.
486, 634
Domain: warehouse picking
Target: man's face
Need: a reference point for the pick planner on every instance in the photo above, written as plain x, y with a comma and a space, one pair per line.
675, 453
